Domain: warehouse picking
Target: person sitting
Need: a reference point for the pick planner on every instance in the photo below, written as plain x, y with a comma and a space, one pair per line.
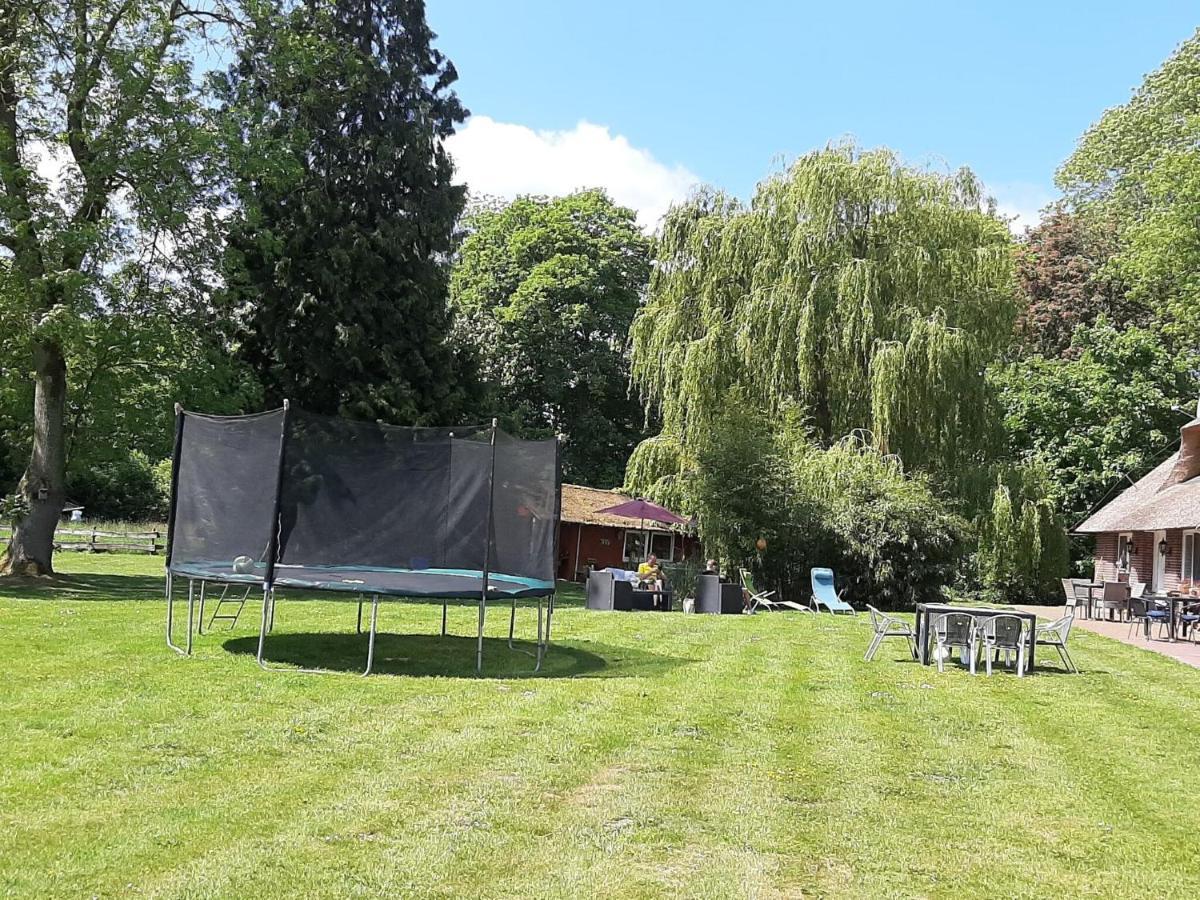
650, 573
710, 568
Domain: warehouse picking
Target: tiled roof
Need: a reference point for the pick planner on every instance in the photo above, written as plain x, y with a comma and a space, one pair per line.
581, 504
1169, 497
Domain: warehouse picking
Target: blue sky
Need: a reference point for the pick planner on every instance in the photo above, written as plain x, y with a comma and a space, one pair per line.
674, 92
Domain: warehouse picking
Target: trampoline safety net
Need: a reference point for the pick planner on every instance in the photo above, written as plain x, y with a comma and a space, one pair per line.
336, 504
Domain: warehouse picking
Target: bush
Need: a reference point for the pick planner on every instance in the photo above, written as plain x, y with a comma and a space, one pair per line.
889, 538
130, 489
1023, 548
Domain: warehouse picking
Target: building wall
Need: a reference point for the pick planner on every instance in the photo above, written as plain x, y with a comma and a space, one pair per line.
1141, 560
604, 545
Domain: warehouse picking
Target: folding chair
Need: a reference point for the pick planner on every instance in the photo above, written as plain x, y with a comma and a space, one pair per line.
763, 598
824, 594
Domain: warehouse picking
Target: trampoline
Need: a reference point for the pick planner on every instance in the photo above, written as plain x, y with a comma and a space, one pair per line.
290, 499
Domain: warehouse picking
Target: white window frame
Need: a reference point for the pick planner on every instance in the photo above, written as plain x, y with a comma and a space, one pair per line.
1188, 557
641, 542
669, 556
1123, 564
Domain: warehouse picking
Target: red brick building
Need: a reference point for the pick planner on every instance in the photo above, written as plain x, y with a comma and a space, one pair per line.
588, 538
1149, 532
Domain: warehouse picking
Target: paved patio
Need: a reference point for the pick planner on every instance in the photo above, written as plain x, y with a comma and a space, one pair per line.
1184, 651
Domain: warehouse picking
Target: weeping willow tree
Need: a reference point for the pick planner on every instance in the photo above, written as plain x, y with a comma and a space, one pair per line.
870, 294
855, 294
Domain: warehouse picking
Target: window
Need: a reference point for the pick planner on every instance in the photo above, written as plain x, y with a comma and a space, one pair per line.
1124, 544
635, 545
1190, 570
663, 546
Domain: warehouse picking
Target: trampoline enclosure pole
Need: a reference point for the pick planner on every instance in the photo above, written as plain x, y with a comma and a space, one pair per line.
273, 538
487, 548
171, 522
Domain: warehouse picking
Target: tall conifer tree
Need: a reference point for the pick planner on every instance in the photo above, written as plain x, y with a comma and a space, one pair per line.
336, 268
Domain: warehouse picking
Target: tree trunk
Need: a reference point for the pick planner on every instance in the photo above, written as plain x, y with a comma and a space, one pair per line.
43, 485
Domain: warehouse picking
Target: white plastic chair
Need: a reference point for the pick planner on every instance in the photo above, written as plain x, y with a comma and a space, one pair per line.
952, 630
1055, 635
884, 626
1005, 634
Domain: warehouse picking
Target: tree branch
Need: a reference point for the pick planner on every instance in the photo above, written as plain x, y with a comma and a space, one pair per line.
14, 176
98, 188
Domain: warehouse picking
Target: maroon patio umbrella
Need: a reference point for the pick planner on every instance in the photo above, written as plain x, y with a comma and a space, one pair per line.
642, 510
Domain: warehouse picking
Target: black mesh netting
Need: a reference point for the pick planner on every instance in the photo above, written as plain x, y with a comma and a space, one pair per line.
366, 507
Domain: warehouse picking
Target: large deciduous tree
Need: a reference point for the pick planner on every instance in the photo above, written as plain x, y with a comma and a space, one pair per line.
1063, 282
101, 154
337, 258
870, 294
1139, 168
867, 299
544, 291
1095, 421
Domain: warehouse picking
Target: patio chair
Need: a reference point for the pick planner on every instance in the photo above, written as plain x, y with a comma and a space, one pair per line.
1084, 596
884, 626
1189, 619
1055, 635
1072, 595
1115, 599
1003, 634
824, 594
1142, 612
952, 630
757, 599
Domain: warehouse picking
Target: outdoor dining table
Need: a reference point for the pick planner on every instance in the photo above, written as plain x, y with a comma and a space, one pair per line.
1092, 588
926, 612
1175, 604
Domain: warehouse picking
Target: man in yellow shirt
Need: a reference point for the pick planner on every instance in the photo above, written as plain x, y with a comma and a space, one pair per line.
650, 578
649, 573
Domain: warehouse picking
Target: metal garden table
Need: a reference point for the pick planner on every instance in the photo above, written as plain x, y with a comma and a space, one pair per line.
927, 611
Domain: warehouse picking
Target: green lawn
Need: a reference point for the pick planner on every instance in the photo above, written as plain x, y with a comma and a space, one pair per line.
657, 755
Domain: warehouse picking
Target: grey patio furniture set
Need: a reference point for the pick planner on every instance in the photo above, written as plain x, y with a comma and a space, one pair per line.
1176, 613
974, 631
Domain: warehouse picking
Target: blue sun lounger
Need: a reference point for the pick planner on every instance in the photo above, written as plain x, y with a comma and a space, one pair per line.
825, 595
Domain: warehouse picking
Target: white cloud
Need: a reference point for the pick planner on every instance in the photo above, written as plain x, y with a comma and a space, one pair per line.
1021, 202
505, 160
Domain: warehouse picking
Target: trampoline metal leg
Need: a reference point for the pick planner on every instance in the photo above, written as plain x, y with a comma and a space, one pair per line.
187, 649
271, 623
444, 602
191, 613
479, 645
371, 639
538, 666
512, 623
200, 624
358, 627
262, 630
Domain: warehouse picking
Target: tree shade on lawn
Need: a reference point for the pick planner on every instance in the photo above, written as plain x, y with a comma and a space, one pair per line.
797, 770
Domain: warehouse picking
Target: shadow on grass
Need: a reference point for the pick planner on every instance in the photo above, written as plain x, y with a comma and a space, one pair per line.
1040, 666
452, 656
83, 587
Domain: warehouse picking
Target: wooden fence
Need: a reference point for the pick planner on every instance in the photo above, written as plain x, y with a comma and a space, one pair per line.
93, 540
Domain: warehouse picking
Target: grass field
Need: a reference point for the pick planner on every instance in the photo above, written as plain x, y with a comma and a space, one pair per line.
656, 755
